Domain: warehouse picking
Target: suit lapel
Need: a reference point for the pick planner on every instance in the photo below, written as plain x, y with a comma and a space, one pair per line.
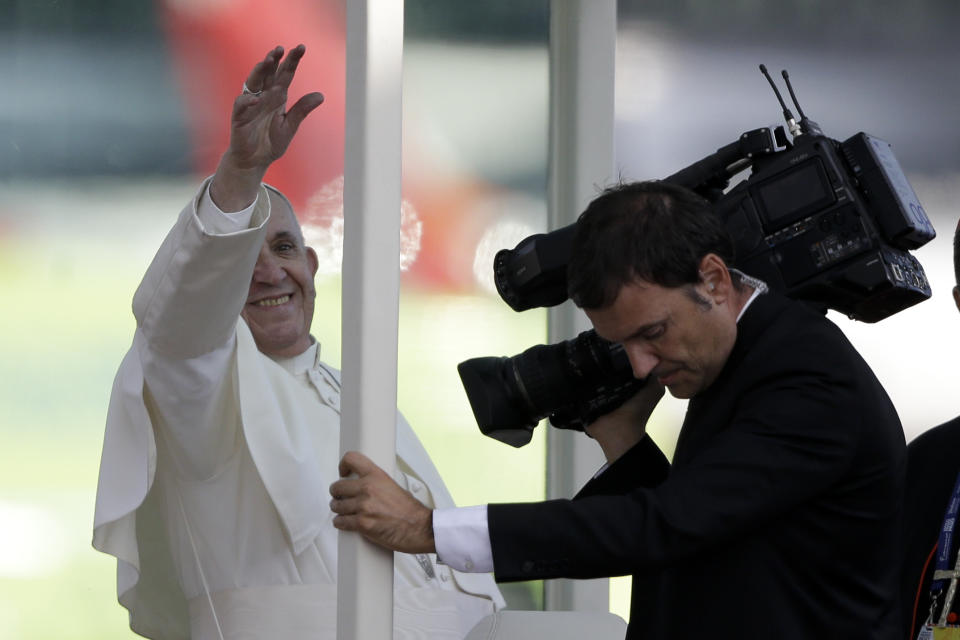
710, 412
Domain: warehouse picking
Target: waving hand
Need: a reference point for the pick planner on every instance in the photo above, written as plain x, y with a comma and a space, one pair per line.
261, 128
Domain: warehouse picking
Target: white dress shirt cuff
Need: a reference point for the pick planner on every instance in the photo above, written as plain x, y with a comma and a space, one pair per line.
217, 222
462, 538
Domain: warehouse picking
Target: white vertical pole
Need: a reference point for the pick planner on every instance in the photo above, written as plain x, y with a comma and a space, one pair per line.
582, 52
371, 282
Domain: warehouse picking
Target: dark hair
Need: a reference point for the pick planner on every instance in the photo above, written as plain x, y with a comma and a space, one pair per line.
655, 231
956, 253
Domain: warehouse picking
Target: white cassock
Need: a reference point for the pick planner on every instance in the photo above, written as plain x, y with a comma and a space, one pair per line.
217, 461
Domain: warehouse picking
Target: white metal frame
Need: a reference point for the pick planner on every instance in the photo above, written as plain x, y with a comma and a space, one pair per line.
583, 37
371, 285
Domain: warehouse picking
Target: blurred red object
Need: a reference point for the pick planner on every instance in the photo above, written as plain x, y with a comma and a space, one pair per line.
215, 43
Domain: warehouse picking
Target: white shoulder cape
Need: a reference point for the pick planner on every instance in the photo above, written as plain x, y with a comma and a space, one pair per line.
127, 524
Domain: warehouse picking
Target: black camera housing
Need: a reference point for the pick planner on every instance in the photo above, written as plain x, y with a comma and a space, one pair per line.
831, 223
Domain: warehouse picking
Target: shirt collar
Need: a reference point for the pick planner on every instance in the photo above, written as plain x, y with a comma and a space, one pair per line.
301, 363
759, 287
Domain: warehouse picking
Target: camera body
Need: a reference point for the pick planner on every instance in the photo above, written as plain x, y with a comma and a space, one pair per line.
831, 223
826, 222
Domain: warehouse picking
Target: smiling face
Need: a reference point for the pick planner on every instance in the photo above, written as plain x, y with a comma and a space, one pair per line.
279, 307
681, 336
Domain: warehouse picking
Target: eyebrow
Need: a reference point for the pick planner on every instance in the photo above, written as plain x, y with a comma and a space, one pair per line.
285, 235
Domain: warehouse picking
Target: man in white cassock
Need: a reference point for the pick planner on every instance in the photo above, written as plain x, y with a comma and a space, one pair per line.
223, 428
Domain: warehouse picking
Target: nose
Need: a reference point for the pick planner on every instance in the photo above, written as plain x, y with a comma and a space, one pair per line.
268, 269
642, 360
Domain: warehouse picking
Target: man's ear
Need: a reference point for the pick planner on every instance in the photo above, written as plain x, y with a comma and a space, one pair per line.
312, 261
956, 297
715, 277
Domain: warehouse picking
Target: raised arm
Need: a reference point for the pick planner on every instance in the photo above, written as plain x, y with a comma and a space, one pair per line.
190, 300
196, 286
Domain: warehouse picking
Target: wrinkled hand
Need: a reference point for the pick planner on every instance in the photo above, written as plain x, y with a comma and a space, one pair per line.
372, 504
618, 431
261, 128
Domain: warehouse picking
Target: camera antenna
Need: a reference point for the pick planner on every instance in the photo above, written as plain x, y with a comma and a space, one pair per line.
806, 124
791, 123
793, 96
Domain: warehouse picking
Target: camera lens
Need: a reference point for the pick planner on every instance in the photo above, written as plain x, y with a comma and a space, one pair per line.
572, 382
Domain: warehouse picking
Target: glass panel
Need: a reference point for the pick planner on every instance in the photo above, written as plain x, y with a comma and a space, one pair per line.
475, 140
114, 112
93, 159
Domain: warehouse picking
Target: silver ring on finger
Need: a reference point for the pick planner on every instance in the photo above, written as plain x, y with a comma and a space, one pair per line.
248, 92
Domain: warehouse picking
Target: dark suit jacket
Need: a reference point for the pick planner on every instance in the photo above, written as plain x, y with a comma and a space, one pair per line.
933, 461
779, 517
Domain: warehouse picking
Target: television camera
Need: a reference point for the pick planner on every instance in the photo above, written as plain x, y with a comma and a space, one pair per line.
827, 222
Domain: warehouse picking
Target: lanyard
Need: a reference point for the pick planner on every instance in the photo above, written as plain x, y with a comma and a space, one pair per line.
943, 570
944, 542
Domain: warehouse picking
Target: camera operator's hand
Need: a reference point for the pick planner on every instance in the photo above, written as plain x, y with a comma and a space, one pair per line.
618, 431
372, 504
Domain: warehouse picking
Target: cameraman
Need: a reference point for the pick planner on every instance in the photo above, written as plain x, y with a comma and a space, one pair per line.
780, 512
